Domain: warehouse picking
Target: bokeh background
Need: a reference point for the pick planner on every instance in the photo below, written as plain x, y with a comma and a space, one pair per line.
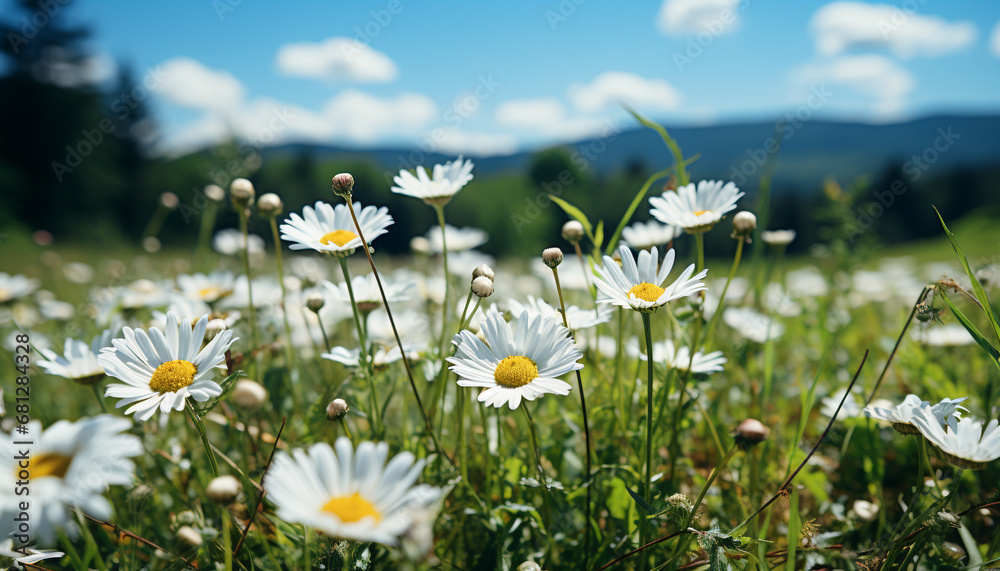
881, 110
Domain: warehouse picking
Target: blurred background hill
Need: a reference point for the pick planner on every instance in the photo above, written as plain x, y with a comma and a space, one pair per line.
79, 159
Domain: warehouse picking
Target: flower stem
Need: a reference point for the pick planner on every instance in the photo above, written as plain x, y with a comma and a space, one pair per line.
586, 423
697, 503
722, 298
439, 209
99, 397
204, 437
923, 293
289, 354
242, 212
699, 240
205, 230
366, 365
647, 491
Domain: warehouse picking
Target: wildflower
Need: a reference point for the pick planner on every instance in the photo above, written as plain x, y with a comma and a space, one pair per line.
576, 317
79, 360
439, 189
963, 442
901, 417
777, 237
638, 287
680, 359
458, 239
15, 287
552, 257
645, 235
231, 242
348, 494
241, 193
270, 204
484, 270
331, 229
750, 432
744, 223
343, 184
337, 409
482, 287
249, 394
695, 210
511, 365
223, 490
207, 288
162, 369
72, 465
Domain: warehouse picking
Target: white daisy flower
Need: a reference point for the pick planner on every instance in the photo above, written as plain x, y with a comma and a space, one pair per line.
72, 464
644, 235
901, 416
27, 555
331, 229
230, 242
665, 352
695, 210
447, 180
163, 368
382, 357
509, 366
850, 409
366, 292
15, 287
458, 239
777, 237
639, 286
963, 442
207, 288
948, 335
752, 325
576, 317
347, 494
79, 360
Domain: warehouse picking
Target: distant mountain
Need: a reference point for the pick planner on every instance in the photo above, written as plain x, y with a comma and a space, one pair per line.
810, 150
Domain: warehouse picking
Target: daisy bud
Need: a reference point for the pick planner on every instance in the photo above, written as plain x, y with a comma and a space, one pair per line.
241, 193
214, 327
169, 200
482, 287
224, 489
343, 184
151, 244
529, 566
552, 257
572, 231
744, 223
337, 409
315, 302
215, 193
751, 432
484, 271
187, 535
270, 205
249, 394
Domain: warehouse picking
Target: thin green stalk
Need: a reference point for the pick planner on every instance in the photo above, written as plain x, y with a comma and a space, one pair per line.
534, 445
227, 541
99, 397
156, 220
395, 332
204, 437
71, 551
439, 210
246, 270
366, 363
289, 354
697, 503
322, 330
88, 538
722, 298
647, 490
699, 240
586, 423
205, 231
586, 272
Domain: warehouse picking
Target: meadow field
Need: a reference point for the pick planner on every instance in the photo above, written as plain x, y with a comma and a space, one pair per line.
293, 403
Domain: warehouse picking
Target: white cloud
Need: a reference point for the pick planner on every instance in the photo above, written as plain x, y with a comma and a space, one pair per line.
872, 75
362, 117
530, 113
995, 40
336, 59
688, 17
842, 26
189, 83
613, 88
463, 142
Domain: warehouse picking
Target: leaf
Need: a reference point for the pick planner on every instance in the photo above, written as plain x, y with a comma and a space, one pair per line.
971, 328
574, 213
599, 235
675, 149
640, 502
976, 286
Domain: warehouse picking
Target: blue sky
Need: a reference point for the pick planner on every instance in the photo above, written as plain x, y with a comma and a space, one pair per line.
496, 77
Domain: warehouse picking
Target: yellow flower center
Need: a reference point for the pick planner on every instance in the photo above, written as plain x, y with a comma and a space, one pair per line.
352, 508
646, 291
338, 237
515, 371
173, 376
700, 212
49, 464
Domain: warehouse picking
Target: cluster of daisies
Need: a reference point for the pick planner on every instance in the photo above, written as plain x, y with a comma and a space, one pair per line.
358, 492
